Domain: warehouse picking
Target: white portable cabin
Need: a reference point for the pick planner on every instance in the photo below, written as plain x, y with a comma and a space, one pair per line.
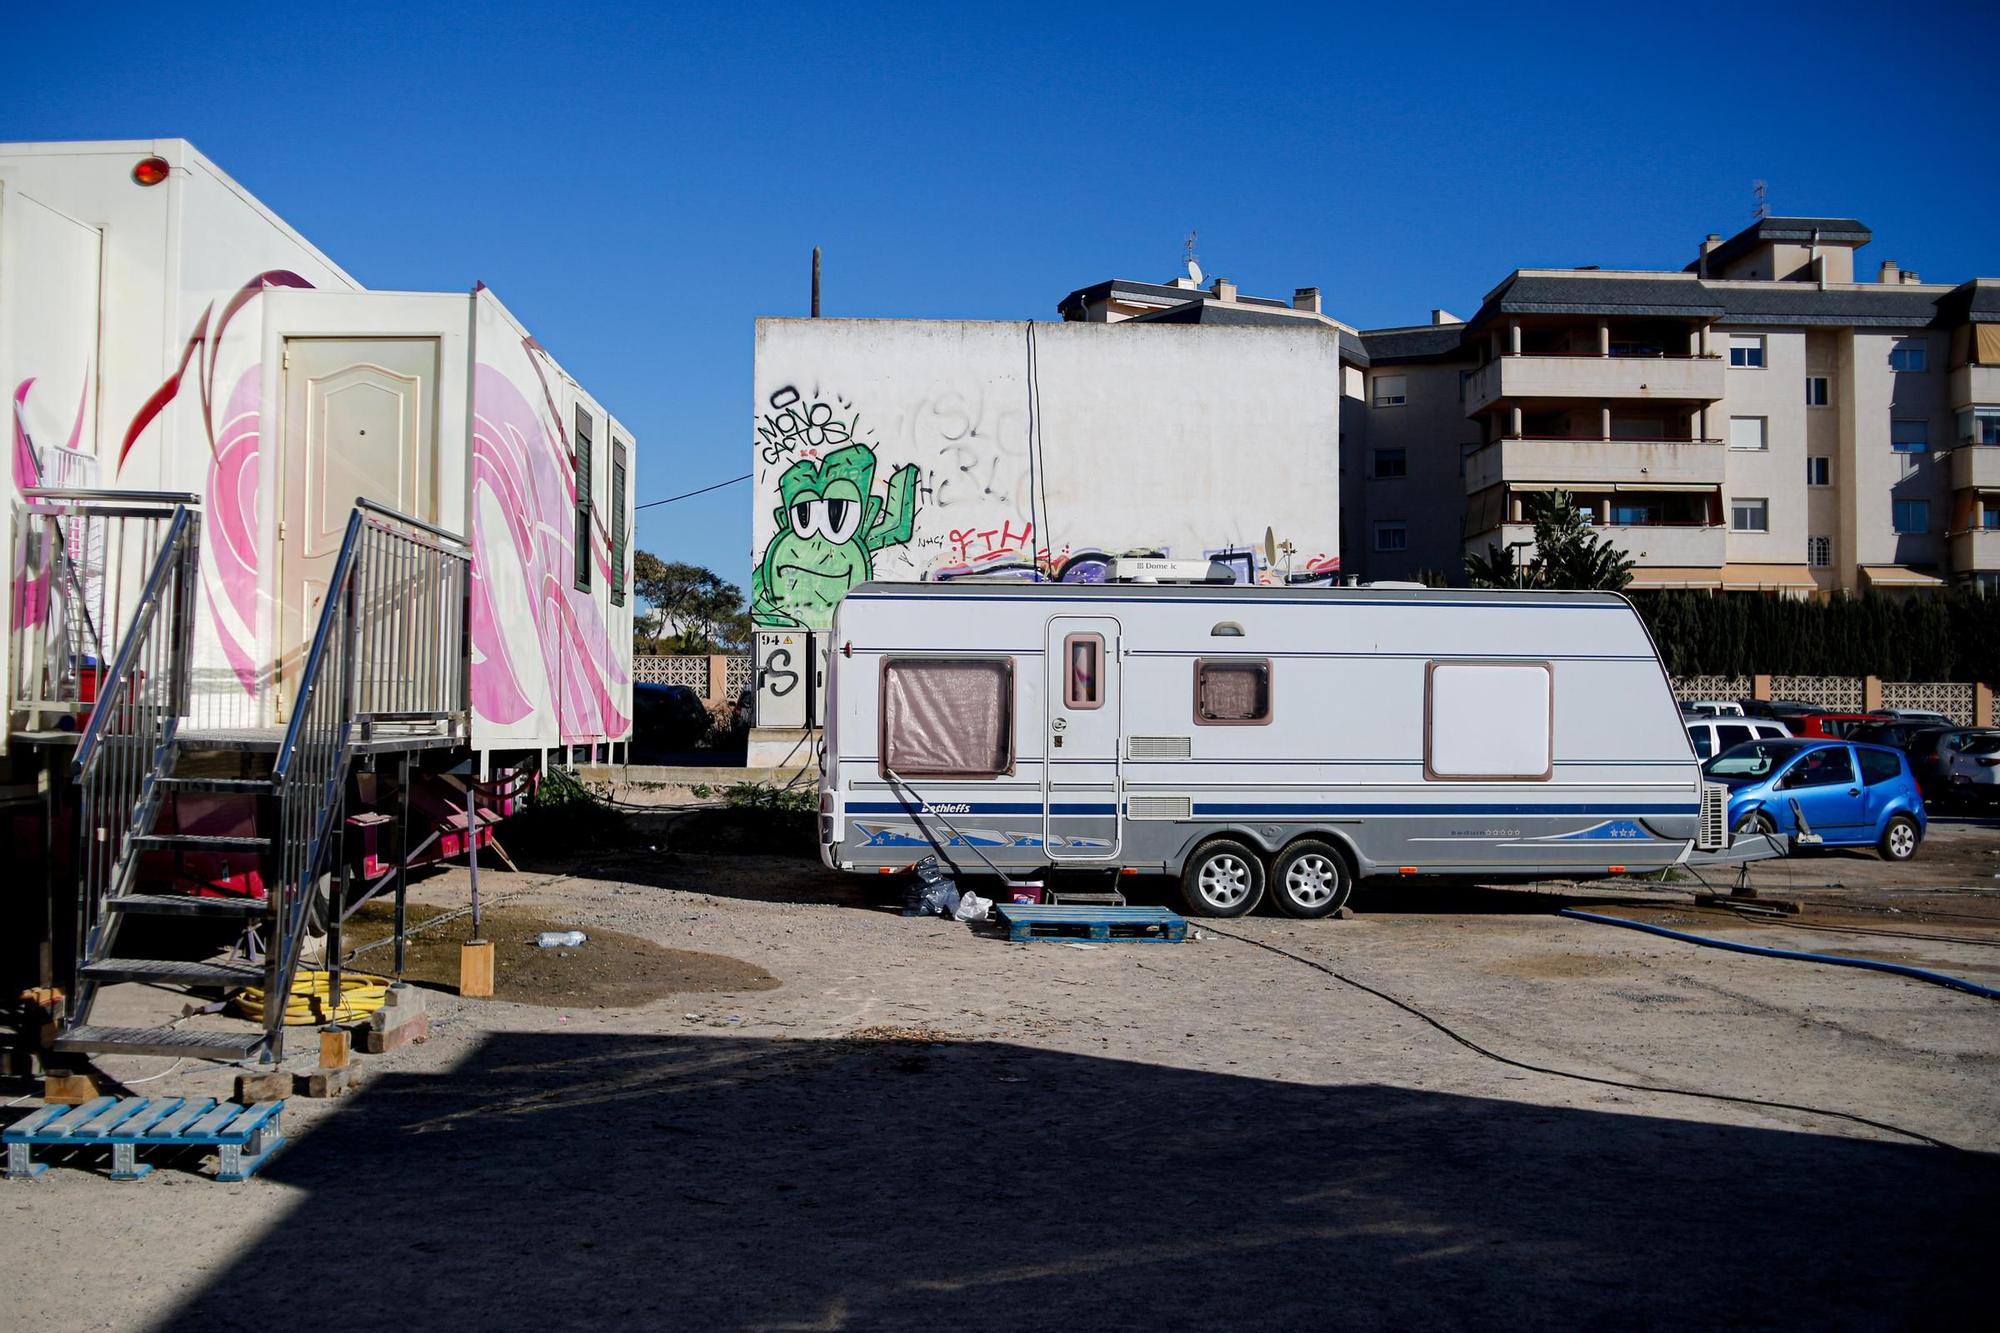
178, 337
1240, 736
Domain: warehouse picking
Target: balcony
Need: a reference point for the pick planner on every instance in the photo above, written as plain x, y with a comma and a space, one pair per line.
1975, 384
1977, 549
1676, 545
1645, 378
1595, 463
1975, 465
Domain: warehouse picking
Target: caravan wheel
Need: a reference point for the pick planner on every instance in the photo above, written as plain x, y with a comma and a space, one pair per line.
1223, 878
1310, 881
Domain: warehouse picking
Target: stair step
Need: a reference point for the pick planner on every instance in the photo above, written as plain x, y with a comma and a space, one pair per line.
200, 842
219, 786
89, 1040
170, 969
188, 904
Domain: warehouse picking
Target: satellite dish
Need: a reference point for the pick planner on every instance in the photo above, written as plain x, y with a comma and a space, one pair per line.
1194, 272
1270, 547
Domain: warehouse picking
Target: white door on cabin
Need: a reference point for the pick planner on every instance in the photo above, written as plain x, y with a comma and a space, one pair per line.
360, 422
1081, 800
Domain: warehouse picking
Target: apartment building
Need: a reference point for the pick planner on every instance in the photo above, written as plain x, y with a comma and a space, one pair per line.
1755, 421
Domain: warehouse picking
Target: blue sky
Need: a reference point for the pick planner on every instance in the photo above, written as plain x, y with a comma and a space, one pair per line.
638, 183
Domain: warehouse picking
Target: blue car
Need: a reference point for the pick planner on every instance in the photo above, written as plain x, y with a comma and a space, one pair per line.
1851, 795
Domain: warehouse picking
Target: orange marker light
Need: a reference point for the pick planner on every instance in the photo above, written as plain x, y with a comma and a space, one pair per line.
1615, 870
1128, 870
151, 170
1409, 870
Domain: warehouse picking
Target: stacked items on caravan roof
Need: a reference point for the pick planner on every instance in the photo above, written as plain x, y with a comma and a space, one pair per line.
1254, 741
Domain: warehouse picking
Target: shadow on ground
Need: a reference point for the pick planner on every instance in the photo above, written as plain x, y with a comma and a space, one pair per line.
693, 1183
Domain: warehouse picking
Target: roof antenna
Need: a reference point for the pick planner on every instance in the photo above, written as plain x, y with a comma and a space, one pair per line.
1759, 191
1193, 262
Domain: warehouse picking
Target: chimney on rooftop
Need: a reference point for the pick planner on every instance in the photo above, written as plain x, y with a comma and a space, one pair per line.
1709, 243
1889, 273
1445, 317
1224, 290
1306, 298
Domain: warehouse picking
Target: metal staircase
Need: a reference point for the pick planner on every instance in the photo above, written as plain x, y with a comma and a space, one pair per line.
389, 669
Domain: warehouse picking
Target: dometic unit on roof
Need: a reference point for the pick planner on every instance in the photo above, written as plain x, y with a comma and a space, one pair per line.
261, 512
1254, 740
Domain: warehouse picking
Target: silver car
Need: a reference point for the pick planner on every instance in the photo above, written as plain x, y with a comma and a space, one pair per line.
1970, 761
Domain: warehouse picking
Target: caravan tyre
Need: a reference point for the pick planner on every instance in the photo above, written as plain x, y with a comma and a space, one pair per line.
1310, 881
1222, 878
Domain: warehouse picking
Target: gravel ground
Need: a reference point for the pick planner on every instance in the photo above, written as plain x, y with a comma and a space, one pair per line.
923, 1126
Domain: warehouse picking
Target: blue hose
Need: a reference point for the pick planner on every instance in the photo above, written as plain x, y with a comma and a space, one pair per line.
1915, 973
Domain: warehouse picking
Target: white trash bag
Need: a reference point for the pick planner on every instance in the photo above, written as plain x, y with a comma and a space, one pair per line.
972, 907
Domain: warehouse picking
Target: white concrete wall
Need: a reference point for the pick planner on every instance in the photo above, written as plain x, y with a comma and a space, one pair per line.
1187, 440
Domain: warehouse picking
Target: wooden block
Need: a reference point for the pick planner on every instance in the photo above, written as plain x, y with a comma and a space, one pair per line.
268, 1087
334, 1047
68, 1089
475, 969
328, 1082
374, 1041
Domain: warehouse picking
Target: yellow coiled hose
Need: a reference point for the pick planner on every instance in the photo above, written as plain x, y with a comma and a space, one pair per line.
310, 999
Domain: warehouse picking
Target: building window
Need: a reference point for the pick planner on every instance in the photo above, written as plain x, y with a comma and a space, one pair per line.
1083, 686
1910, 354
1392, 537
1910, 437
947, 717
1913, 516
1979, 425
1989, 514
1637, 513
1986, 583
1391, 390
584, 449
1231, 693
1392, 463
1748, 432
1817, 394
1819, 471
1747, 515
619, 470
1746, 350
1819, 552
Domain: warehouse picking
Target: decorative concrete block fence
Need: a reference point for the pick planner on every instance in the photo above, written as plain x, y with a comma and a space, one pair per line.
1968, 704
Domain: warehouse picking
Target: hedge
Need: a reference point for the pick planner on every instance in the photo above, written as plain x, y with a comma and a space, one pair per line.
1951, 636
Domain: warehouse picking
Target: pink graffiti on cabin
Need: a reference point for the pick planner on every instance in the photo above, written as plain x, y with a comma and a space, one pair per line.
519, 465
31, 586
229, 536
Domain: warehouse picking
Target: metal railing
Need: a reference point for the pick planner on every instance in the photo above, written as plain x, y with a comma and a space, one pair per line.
128, 742
80, 569
392, 648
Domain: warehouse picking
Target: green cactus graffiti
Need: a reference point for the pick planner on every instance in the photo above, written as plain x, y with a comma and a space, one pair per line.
830, 524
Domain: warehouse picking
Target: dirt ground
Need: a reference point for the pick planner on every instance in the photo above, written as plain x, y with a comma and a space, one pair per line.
1456, 1107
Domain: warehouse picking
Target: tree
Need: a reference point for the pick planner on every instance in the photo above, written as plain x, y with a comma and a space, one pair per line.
687, 609
1569, 553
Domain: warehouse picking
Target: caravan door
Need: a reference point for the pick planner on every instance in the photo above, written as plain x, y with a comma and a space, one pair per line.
360, 421
1081, 792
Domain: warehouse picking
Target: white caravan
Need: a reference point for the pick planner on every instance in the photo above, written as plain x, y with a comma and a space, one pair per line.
161, 330
1255, 740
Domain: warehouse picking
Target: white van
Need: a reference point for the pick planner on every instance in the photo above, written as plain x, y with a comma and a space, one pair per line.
1254, 740
1712, 735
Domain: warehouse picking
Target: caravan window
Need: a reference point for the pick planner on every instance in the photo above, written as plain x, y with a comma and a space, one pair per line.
947, 717
1488, 721
1083, 666
1232, 692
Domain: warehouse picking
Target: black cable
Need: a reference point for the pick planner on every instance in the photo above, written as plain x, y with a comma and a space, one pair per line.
1039, 476
1035, 515
689, 495
1477, 1049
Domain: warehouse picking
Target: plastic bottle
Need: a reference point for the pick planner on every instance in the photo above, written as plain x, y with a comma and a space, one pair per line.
560, 939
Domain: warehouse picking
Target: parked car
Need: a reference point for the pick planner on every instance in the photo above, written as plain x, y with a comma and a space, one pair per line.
1897, 735
667, 718
1851, 795
1920, 715
1713, 708
1833, 726
1782, 710
1713, 735
1971, 764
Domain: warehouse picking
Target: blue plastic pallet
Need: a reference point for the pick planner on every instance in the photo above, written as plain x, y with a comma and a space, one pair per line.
244, 1136
1136, 925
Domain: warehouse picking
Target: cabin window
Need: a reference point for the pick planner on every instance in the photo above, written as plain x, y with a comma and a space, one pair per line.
584, 447
1232, 692
947, 717
1488, 721
619, 471
1083, 680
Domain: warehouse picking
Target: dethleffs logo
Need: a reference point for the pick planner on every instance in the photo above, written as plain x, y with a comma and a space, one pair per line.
946, 808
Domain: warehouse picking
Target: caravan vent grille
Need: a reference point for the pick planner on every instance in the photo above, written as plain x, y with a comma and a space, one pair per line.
1714, 817
1159, 747
1159, 807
